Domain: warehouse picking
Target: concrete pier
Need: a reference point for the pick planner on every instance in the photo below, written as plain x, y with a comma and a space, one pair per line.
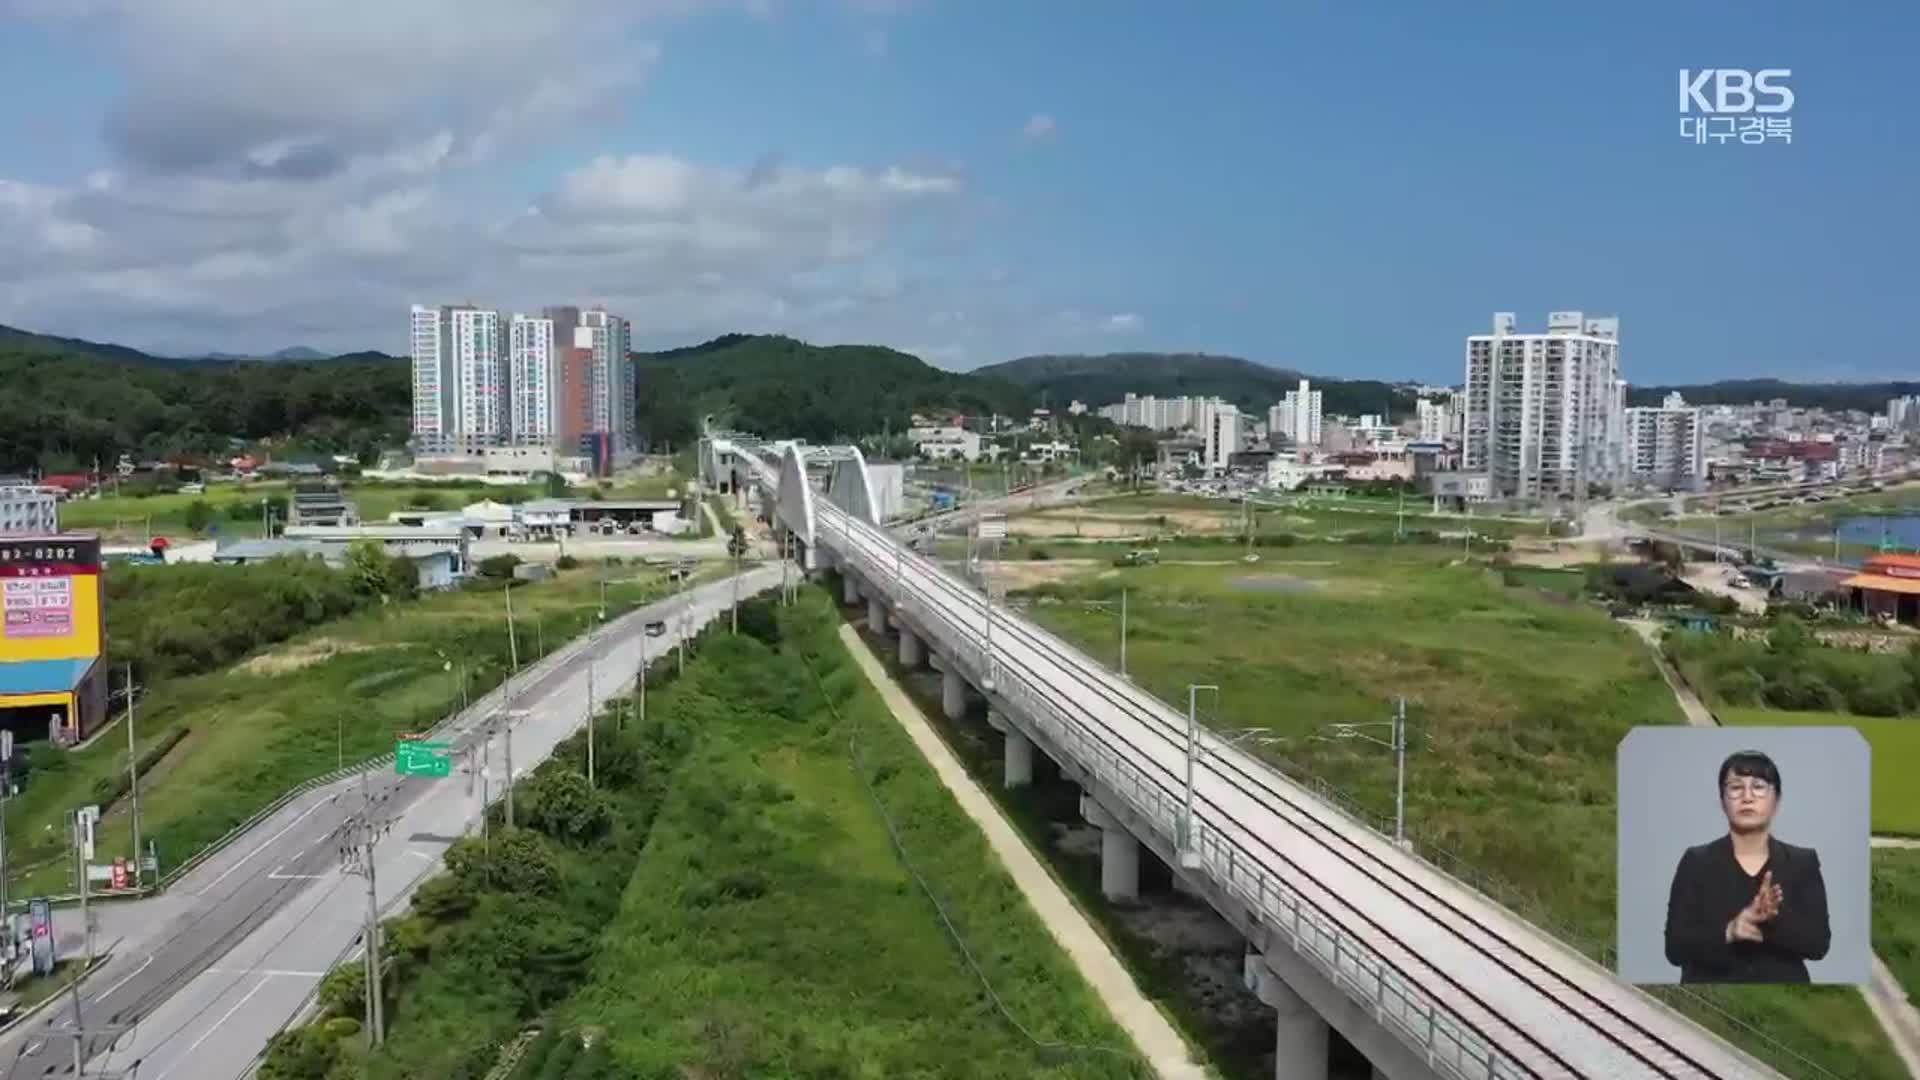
1119, 853
849, 590
953, 693
1017, 749
912, 652
876, 613
1300, 1046
1018, 771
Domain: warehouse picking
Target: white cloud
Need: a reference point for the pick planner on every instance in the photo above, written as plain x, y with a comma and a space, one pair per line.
1040, 127
1077, 323
298, 171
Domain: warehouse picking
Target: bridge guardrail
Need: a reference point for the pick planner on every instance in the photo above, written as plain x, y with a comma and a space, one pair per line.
1368, 978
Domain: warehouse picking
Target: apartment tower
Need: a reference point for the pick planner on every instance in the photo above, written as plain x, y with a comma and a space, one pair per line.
1545, 413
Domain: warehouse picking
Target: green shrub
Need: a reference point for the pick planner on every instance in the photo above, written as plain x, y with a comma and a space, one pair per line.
303, 1053
189, 618
498, 566
566, 562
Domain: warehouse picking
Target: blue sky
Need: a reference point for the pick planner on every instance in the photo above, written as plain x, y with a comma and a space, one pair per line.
1347, 189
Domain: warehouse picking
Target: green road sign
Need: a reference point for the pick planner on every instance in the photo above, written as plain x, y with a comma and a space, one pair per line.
414, 758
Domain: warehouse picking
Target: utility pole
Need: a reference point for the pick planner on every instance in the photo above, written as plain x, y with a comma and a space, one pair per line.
512, 715
1400, 770
359, 835
1123, 635
133, 778
513, 644
6, 794
1189, 854
592, 634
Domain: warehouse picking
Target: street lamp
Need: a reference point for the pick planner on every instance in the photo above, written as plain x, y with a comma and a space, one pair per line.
1189, 854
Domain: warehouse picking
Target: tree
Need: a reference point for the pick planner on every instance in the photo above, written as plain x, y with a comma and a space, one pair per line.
564, 806
376, 573
199, 516
518, 861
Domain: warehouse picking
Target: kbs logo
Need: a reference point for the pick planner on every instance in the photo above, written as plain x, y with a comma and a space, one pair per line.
1725, 100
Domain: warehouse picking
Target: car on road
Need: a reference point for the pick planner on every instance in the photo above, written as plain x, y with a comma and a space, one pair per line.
656, 628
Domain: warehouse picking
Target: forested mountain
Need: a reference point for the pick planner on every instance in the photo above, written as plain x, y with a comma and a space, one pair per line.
1108, 378
820, 393
71, 402
1869, 397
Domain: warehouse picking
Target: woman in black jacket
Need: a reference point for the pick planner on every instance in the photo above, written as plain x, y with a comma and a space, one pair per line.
1747, 907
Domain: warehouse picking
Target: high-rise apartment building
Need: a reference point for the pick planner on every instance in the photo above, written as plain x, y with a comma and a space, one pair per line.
479, 378
433, 420
1160, 414
601, 342
1546, 413
533, 375
1433, 417
1221, 427
561, 380
1666, 446
1297, 416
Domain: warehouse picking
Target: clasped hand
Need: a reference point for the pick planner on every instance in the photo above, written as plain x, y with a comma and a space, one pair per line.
1765, 904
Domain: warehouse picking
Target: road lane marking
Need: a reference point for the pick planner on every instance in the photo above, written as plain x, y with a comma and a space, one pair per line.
268, 971
129, 977
224, 1017
264, 845
278, 876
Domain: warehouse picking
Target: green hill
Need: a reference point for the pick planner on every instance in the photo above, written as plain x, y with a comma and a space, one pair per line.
821, 393
1868, 397
1108, 378
71, 403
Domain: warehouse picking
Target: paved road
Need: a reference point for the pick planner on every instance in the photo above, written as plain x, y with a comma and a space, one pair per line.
212, 969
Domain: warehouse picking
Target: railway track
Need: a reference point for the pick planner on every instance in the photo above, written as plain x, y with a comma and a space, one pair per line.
1578, 1020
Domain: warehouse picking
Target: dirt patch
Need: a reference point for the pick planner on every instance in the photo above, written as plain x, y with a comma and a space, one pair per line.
1280, 583
1060, 527
300, 655
1556, 557
1025, 575
1063, 522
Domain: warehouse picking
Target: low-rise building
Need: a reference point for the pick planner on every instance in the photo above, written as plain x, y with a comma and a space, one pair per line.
320, 504
29, 511
1289, 472
945, 443
411, 542
1458, 490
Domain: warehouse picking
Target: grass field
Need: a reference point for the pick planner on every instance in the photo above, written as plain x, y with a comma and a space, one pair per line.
1516, 703
259, 727
1170, 517
1896, 931
771, 929
728, 904
1896, 757
166, 515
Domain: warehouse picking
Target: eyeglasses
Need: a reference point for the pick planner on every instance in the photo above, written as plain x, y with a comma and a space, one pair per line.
1759, 789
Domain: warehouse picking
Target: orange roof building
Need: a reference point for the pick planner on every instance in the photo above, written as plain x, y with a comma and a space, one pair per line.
1889, 585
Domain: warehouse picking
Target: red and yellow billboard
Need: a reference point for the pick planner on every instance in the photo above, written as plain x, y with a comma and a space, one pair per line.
50, 598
